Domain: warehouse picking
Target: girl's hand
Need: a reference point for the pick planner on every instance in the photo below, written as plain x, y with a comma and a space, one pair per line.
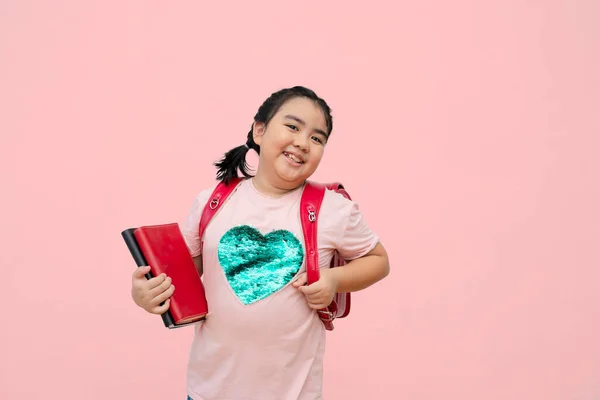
321, 293
150, 293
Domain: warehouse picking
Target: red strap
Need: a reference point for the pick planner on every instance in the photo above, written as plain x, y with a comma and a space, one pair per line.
310, 204
218, 197
338, 187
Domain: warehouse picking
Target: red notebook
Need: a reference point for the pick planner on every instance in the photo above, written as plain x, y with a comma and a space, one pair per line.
163, 248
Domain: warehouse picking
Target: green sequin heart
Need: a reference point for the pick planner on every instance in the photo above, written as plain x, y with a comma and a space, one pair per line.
257, 265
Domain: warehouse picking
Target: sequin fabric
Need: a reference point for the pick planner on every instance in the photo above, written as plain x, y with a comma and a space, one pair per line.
257, 265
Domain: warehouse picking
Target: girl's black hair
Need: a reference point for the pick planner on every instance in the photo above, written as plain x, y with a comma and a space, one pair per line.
234, 159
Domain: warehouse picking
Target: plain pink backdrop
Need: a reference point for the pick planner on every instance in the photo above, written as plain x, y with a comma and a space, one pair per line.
468, 131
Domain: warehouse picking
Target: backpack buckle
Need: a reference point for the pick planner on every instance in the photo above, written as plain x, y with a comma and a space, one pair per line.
325, 315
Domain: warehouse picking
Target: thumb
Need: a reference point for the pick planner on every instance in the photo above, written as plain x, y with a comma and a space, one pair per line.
311, 289
141, 271
301, 281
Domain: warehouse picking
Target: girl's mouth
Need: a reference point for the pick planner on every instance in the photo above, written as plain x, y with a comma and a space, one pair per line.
292, 157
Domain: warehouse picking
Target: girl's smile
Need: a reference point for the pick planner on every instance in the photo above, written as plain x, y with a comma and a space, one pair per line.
294, 158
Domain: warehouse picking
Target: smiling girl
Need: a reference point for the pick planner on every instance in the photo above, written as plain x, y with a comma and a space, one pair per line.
262, 339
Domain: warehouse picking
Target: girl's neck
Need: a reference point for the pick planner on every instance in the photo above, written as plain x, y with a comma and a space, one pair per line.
268, 189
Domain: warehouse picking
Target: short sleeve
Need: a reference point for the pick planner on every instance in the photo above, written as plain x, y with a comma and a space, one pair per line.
190, 228
343, 228
357, 238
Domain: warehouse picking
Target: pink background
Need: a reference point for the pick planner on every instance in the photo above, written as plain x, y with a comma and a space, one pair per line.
468, 131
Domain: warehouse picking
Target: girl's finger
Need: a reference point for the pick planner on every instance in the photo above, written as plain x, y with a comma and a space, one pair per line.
140, 272
315, 304
301, 281
165, 285
164, 295
161, 309
311, 290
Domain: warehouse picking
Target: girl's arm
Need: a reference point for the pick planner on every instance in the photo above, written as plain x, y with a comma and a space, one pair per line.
362, 272
358, 274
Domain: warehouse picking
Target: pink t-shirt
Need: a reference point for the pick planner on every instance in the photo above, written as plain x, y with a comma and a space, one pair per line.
260, 340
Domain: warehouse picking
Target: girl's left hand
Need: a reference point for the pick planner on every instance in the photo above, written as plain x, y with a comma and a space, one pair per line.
320, 294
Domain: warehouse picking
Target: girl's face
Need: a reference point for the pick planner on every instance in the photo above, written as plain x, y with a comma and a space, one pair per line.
292, 144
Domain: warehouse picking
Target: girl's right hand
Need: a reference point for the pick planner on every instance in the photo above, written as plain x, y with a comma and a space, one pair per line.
150, 293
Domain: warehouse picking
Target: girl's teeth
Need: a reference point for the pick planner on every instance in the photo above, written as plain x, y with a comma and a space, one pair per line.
293, 157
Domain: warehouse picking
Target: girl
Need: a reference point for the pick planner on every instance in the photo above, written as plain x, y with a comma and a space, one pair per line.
263, 339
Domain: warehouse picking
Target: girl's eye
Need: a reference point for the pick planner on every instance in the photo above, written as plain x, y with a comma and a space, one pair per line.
293, 127
318, 139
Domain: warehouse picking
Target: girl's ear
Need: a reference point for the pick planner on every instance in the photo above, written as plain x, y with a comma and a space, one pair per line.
258, 130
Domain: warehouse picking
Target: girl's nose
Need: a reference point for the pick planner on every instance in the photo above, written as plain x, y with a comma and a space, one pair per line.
301, 142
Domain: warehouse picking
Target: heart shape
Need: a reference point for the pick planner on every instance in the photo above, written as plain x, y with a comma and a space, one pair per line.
257, 265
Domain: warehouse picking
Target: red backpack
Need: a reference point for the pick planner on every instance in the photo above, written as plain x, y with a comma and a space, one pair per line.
310, 204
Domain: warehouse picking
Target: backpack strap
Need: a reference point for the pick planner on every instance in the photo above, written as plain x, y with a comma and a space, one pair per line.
339, 188
217, 198
310, 204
